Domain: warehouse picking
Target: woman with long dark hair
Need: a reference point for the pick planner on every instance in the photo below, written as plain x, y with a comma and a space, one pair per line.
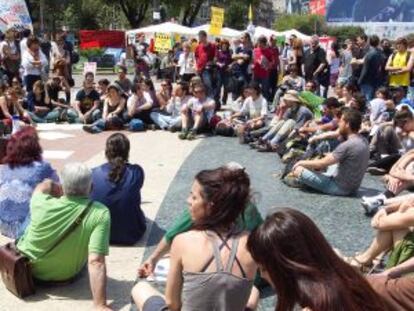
210, 268
297, 260
117, 184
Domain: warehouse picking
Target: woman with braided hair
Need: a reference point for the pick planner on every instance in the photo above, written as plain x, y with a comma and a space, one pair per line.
117, 184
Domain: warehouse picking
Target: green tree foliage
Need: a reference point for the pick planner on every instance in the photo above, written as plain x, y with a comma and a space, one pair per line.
307, 24
345, 32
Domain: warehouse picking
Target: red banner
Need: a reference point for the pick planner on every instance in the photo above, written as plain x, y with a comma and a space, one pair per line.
317, 7
101, 39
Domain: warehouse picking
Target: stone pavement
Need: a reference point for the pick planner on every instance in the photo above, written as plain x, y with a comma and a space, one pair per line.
170, 165
160, 154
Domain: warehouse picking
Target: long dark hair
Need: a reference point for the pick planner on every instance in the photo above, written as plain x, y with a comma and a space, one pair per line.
228, 192
117, 154
305, 270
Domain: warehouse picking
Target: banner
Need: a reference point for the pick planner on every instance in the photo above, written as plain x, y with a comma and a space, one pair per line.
350, 11
14, 13
101, 39
317, 7
217, 19
162, 43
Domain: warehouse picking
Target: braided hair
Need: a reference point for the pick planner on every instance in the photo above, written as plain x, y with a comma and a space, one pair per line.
117, 154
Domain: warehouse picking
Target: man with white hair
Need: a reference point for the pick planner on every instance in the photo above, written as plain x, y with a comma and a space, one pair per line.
66, 231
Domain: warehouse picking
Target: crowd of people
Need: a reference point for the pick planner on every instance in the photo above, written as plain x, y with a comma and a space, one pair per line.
332, 117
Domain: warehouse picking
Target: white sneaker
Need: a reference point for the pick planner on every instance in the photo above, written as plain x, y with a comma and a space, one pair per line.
372, 206
380, 196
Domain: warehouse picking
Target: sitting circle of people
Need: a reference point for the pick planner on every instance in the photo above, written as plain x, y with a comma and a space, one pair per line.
330, 116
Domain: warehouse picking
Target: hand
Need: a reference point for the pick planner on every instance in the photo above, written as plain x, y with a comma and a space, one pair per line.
394, 184
82, 118
147, 268
299, 163
376, 219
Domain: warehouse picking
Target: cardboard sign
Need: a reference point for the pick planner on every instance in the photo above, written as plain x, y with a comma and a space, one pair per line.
217, 19
162, 42
89, 67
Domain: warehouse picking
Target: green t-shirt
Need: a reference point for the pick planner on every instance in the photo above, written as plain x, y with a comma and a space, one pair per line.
50, 218
252, 219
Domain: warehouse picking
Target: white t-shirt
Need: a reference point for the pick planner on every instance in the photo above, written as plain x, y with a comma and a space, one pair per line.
29, 69
194, 103
175, 104
186, 64
23, 46
135, 101
254, 108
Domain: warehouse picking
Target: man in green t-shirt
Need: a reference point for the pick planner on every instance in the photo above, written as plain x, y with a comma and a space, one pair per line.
51, 215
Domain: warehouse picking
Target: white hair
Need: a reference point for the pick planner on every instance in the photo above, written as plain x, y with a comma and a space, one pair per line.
76, 179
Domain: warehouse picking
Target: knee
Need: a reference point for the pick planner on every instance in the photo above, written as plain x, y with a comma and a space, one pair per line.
141, 292
298, 171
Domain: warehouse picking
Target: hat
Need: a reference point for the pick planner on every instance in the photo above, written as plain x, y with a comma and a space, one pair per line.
291, 96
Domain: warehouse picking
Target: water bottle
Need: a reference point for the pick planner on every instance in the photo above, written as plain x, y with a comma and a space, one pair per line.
15, 124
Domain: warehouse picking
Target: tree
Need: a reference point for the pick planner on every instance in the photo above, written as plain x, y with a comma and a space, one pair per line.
307, 24
135, 11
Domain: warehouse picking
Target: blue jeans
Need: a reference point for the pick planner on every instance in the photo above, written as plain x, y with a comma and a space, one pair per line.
73, 116
368, 90
165, 121
206, 77
321, 182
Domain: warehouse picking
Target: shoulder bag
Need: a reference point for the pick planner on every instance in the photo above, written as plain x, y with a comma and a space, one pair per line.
15, 267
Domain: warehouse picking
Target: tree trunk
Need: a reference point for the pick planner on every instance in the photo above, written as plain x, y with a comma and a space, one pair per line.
134, 14
191, 12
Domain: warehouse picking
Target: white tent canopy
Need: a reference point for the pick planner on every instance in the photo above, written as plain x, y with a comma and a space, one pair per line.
295, 32
167, 27
225, 31
262, 31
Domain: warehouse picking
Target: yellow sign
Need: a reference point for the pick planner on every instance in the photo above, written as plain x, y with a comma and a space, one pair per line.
162, 42
217, 19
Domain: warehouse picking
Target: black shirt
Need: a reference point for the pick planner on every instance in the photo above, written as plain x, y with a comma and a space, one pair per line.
87, 99
312, 60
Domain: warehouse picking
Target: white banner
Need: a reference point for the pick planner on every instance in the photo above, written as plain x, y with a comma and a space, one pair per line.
14, 13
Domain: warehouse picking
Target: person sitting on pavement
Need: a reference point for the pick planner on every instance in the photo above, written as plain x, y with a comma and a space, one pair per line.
164, 94
184, 223
297, 260
22, 170
292, 81
52, 214
117, 184
11, 104
390, 141
218, 198
139, 105
103, 85
113, 110
294, 118
124, 83
198, 112
55, 85
40, 109
170, 119
400, 178
253, 113
351, 157
86, 107
393, 233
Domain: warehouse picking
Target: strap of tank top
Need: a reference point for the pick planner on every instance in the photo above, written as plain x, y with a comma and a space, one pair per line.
216, 254
233, 258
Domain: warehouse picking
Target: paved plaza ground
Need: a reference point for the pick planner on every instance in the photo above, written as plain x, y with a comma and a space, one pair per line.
170, 165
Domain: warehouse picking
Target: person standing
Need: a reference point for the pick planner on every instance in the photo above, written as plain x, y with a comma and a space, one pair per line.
186, 63
397, 65
371, 69
34, 63
262, 62
10, 55
345, 67
205, 53
315, 64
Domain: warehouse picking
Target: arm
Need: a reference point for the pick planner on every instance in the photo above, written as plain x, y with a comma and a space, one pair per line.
97, 278
323, 136
175, 279
211, 105
389, 66
404, 268
394, 221
148, 266
120, 107
3, 107
317, 164
105, 110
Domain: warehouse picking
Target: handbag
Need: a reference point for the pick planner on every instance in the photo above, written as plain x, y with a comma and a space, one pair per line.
16, 268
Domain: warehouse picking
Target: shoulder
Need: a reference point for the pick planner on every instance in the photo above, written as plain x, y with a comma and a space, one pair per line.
100, 210
80, 93
186, 239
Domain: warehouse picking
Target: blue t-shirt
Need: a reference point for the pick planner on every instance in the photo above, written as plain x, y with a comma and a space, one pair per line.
123, 201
